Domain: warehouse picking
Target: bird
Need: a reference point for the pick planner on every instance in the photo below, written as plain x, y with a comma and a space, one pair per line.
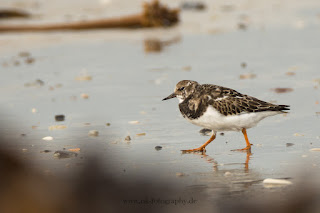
220, 108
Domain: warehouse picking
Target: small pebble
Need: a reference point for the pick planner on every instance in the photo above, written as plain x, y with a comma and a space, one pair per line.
29, 60
289, 144
248, 76
24, 150
23, 135
270, 182
304, 156
34, 110
48, 138
222, 134
297, 134
243, 64
84, 96
158, 148
227, 174
133, 122
282, 90
242, 26
94, 133
108, 124
59, 117
180, 174
128, 138
64, 154
45, 151
205, 132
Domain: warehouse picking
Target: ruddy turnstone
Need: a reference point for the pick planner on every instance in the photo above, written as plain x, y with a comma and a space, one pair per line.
221, 109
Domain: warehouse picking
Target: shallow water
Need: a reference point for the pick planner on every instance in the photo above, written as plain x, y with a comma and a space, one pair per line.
128, 85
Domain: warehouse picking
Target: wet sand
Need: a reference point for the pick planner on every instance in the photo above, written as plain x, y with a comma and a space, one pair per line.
128, 84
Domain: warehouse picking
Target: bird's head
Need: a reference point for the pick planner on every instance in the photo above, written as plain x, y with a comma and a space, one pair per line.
183, 90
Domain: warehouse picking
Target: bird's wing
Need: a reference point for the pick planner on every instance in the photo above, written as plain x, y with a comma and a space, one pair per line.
230, 102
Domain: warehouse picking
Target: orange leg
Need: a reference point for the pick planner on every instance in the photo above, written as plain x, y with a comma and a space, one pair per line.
201, 148
248, 147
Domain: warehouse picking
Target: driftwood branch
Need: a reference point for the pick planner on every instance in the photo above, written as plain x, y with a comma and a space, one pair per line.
154, 15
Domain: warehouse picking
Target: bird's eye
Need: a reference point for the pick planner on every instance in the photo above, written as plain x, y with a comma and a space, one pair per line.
181, 88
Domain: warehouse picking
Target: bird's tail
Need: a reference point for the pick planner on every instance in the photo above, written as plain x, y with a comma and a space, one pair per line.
282, 108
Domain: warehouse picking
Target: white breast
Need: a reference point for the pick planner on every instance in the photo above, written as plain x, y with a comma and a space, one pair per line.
213, 120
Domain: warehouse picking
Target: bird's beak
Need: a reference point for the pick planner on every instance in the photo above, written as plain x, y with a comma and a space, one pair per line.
170, 96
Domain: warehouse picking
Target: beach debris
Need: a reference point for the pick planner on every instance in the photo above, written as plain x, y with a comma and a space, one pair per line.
205, 132
108, 124
13, 13
134, 122
289, 144
282, 90
158, 148
315, 150
84, 95
64, 154
83, 78
54, 127
36, 83
298, 134
24, 150
47, 138
154, 15
191, 5
271, 182
74, 150
247, 76
59, 117
141, 134
128, 138
93, 133
34, 127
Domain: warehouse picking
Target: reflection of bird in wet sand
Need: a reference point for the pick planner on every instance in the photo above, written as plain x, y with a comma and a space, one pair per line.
221, 109
215, 163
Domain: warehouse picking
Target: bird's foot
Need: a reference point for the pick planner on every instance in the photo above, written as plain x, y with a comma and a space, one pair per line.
200, 149
247, 149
